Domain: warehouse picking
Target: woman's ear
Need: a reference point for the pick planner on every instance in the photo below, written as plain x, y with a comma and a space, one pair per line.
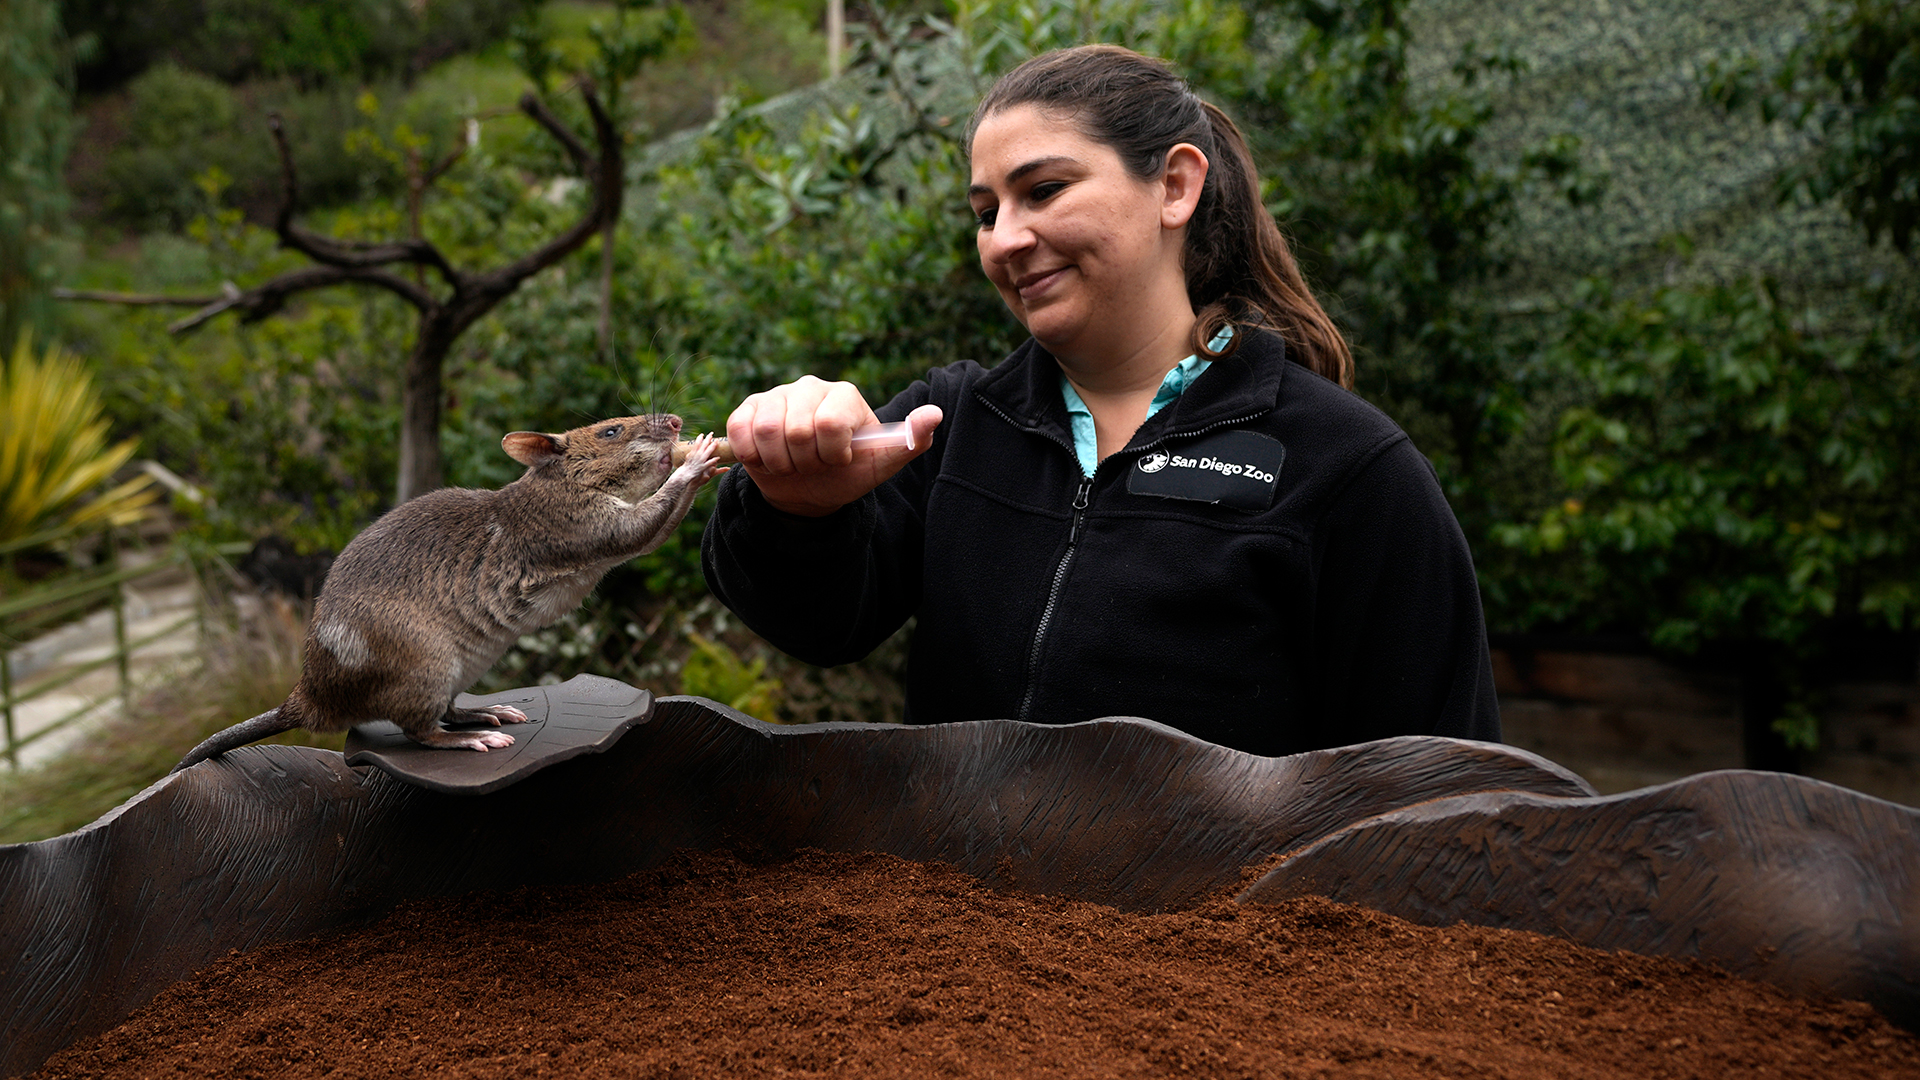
1182, 180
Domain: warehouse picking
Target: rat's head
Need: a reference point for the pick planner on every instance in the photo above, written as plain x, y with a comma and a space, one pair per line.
629, 456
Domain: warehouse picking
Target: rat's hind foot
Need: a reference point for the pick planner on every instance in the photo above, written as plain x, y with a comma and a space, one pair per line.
491, 715
462, 740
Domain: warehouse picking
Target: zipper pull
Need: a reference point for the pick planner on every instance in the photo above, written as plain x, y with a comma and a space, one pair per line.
1079, 508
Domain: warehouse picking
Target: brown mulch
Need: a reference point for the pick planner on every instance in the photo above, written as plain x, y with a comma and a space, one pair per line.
870, 966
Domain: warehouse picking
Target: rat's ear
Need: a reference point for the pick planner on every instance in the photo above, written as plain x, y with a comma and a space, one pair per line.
533, 448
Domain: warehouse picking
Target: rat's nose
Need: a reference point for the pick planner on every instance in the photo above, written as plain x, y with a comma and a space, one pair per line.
673, 422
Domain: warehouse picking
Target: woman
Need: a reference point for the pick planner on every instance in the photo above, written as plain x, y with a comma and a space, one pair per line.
1146, 510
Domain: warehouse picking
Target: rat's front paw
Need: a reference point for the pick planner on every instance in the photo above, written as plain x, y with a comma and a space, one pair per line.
701, 464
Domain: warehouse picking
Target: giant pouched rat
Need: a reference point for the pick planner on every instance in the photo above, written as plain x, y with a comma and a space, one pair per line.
423, 601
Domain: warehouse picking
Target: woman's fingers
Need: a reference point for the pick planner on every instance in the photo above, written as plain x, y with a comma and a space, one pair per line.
842, 411
800, 428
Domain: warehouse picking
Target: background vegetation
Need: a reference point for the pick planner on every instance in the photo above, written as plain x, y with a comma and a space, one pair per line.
1639, 280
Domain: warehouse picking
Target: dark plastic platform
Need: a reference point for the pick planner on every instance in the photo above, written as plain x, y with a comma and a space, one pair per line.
584, 715
1797, 882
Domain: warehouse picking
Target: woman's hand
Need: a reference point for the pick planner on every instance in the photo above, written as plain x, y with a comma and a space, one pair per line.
797, 444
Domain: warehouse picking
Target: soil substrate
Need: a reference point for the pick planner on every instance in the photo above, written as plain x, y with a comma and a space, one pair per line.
869, 966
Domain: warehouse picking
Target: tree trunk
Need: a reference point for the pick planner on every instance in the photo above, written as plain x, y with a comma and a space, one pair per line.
421, 467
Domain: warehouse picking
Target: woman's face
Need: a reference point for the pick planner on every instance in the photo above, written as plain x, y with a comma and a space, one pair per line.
1086, 257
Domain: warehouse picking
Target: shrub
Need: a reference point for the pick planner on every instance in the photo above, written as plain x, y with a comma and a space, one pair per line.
310, 41
54, 455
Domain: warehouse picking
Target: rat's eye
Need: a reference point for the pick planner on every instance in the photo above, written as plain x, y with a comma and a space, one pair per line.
611, 432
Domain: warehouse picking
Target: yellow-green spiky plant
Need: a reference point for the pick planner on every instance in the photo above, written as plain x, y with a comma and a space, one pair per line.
54, 455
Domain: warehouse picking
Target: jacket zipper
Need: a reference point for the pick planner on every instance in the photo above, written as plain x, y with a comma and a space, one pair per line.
1053, 598
1196, 432
1073, 535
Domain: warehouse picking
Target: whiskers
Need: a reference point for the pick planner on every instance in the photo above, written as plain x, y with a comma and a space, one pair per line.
665, 386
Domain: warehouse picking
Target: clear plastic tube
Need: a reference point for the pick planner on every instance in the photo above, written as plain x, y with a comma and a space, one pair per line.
884, 436
871, 437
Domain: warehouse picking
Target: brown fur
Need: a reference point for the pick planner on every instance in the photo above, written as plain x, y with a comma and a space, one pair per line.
425, 599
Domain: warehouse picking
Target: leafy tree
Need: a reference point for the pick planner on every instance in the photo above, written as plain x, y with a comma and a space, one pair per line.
34, 131
174, 118
1741, 476
1740, 472
641, 31
309, 41
442, 316
1405, 222
1854, 86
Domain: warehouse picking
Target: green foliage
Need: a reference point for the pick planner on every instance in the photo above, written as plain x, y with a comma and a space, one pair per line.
1854, 85
715, 671
172, 115
54, 454
753, 49
641, 32
1738, 470
289, 424
35, 126
1205, 41
288, 428
1405, 221
180, 123
844, 253
1624, 79
309, 41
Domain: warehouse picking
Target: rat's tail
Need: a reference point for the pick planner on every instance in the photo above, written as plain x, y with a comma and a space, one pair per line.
272, 722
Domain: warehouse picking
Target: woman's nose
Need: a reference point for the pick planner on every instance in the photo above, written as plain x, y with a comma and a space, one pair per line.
1008, 237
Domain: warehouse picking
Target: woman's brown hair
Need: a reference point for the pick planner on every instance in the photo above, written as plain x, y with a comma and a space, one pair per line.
1238, 265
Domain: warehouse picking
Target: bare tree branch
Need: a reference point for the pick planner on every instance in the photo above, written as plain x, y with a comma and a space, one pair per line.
342, 253
102, 296
603, 173
534, 107
448, 162
271, 296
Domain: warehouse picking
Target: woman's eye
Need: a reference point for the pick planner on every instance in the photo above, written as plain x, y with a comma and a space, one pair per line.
984, 218
1043, 192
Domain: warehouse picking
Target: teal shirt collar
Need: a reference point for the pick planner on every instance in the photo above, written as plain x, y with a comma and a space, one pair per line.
1086, 443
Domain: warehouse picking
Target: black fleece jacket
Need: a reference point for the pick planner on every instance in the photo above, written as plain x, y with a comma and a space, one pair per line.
1340, 608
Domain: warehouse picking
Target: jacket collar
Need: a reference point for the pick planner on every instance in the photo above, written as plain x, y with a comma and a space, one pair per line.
1025, 390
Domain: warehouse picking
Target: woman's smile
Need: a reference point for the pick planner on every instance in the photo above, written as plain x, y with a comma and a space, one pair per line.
1033, 285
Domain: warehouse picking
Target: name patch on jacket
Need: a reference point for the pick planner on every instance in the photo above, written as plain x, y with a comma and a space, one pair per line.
1238, 468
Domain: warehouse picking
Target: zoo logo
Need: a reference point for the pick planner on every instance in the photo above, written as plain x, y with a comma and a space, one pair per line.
1154, 462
